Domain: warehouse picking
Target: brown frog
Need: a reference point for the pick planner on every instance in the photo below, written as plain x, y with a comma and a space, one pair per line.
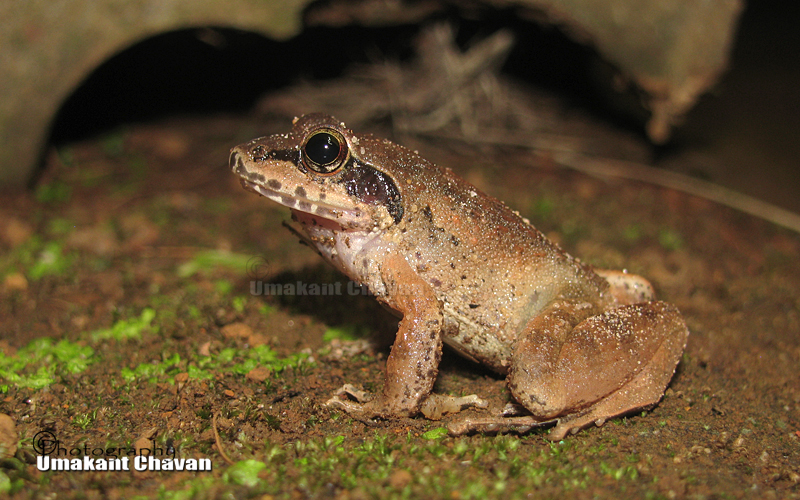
577, 345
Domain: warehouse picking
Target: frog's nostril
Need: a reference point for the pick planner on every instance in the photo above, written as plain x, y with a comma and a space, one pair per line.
260, 153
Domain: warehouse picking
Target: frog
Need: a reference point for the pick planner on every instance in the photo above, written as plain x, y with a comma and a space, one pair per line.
576, 345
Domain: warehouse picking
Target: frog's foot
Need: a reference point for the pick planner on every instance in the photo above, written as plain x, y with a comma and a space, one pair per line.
496, 425
436, 406
349, 390
514, 418
363, 404
353, 401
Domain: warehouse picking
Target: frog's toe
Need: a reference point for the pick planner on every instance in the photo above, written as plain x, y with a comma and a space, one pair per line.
345, 405
350, 391
571, 424
496, 425
351, 400
514, 410
436, 406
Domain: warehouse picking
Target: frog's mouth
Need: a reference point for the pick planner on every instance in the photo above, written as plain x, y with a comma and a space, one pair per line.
345, 217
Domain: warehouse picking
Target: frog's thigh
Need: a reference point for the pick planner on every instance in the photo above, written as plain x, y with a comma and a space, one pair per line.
607, 365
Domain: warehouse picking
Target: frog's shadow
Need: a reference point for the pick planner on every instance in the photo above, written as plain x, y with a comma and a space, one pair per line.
340, 303
328, 296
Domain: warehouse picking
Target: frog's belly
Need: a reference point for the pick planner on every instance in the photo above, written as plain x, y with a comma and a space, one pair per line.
488, 337
476, 342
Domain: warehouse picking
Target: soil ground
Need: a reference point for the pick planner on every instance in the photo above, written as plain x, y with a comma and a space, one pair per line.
150, 218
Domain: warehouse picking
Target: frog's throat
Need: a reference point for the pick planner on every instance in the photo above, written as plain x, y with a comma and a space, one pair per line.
345, 217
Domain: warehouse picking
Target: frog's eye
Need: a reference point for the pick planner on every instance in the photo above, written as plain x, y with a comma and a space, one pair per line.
325, 151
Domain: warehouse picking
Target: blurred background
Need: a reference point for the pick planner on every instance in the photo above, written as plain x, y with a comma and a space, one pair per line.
711, 94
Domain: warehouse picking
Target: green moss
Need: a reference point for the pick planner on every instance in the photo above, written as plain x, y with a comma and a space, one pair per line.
344, 332
217, 206
127, 329
195, 372
273, 422
223, 287
265, 357
670, 239
465, 467
54, 192
51, 260
39, 363
231, 360
5, 483
194, 312
542, 208
212, 259
434, 434
239, 304
153, 371
84, 420
113, 143
632, 233
59, 226
244, 473
266, 310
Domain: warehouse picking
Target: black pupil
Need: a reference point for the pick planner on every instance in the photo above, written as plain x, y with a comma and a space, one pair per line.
322, 148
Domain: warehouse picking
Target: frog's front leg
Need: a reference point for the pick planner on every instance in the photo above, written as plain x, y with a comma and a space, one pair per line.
413, 364
606, 365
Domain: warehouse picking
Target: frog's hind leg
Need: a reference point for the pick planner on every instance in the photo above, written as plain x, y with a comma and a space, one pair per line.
627, 288
607, 365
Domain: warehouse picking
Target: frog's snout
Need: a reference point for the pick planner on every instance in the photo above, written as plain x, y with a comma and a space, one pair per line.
235, 160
